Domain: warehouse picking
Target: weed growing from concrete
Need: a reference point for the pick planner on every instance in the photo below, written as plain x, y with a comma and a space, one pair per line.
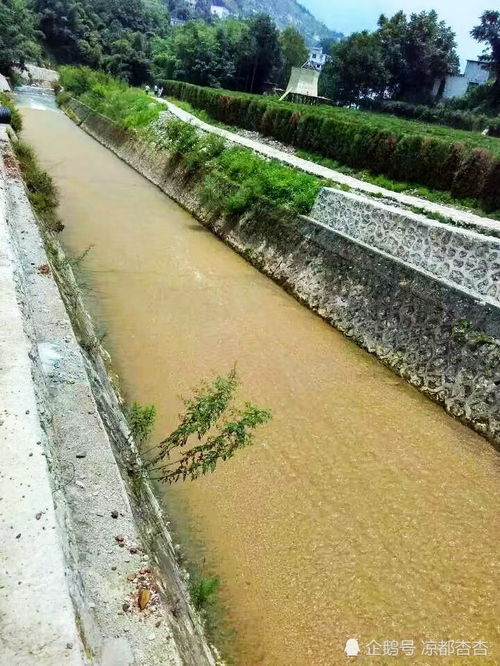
203, 592
141, 420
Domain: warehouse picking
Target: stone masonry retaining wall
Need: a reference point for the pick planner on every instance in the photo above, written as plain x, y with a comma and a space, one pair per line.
429, 310
464, 257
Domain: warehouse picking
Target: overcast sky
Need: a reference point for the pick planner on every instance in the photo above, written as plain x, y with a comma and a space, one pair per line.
352, 15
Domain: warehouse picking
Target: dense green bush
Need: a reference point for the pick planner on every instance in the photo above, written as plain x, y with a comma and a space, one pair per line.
131, 108
255, 178
411, 151
440, 114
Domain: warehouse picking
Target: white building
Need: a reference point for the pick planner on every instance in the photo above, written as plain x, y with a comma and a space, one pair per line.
476, 74
317, 59
220, 11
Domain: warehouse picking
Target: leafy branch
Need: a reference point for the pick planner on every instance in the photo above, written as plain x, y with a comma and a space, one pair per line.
208, 419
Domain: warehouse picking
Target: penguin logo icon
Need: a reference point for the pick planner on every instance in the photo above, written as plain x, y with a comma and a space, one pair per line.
352, 648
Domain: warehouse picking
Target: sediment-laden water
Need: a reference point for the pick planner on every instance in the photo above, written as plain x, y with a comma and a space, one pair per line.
363, 511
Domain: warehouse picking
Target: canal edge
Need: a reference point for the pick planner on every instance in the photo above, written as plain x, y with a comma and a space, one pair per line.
76, 406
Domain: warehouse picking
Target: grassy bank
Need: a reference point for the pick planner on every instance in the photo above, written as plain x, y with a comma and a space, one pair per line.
400, 186
233, 180
42, 192
464, 164
131, 108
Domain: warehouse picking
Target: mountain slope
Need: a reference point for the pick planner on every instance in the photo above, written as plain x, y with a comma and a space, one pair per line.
284, 12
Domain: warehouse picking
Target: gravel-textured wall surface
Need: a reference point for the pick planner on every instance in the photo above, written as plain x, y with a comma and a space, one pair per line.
466, 258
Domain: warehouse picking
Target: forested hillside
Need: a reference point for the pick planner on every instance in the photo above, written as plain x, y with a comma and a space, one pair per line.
284, 13
136, 40
112, 34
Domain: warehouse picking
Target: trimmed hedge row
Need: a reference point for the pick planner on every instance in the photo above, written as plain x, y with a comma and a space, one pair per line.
436, 162
441, 115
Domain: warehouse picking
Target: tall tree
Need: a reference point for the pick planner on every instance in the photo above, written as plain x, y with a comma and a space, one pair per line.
260, 54
198, 54
205, 54
488, 32
416, 52
232, 37
130, 60
294, 52
18, 38
356, 69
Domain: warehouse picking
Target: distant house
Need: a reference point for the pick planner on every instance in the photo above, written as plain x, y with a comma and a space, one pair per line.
317, 59
219, 10
475, 74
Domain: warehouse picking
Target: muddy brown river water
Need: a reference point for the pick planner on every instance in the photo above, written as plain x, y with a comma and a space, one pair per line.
363, 511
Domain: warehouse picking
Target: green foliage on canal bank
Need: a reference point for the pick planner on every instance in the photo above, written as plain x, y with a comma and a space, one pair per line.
42, 192
203, 592
131, 108
235, 179
249, 179
465, 164
141, 420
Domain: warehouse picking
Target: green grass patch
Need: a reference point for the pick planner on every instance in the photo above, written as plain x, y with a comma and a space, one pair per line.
236, 179
203, 592
412, 189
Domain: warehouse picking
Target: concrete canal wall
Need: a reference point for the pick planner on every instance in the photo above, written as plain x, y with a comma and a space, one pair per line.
68, 587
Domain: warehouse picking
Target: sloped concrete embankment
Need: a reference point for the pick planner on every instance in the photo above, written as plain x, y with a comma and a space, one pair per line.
68, 587
420, 295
